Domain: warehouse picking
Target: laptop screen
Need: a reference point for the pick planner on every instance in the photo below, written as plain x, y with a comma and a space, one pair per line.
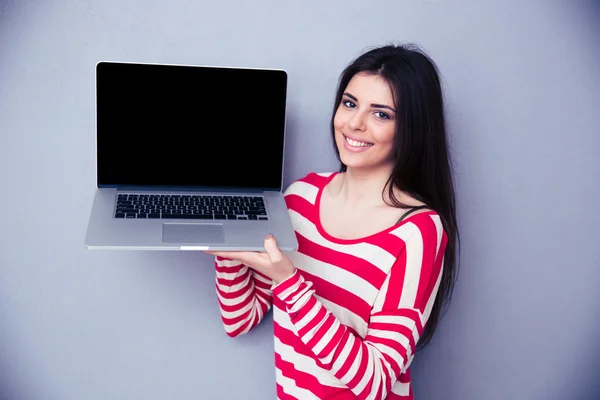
184, 126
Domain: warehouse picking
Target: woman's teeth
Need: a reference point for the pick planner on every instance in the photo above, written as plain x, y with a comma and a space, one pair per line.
356, 143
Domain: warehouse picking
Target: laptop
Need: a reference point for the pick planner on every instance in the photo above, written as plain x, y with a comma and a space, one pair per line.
189, 158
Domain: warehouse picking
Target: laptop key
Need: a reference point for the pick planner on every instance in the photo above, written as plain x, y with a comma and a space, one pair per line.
251, 212
153, 215
126, 210
119, 215
201, 216
186, 216
130, 215
220, 216
256, 209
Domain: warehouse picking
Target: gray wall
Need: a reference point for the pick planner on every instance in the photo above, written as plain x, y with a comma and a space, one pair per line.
523, 92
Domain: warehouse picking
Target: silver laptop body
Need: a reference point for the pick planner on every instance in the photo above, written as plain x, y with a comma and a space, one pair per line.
189, 158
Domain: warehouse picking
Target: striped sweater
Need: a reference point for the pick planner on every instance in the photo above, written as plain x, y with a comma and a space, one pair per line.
347, 322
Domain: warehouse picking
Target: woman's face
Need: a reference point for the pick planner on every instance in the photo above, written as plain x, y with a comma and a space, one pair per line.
364, 123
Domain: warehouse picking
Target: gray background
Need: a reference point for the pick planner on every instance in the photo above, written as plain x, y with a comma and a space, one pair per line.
523, 93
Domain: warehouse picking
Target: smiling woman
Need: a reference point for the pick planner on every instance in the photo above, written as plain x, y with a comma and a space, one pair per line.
376, 258
365, 119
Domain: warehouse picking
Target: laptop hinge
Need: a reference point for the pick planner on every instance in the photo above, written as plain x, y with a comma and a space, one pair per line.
188, 189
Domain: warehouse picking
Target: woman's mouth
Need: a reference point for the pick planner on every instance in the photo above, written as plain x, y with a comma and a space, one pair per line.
355, 145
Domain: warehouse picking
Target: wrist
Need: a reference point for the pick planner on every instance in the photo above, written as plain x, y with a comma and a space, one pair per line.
278, 278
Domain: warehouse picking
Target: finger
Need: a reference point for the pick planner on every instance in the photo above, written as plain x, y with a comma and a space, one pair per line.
256, 259
272, 249
223, 254
232, 255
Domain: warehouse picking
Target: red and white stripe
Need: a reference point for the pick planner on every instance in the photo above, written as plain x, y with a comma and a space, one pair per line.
347, 322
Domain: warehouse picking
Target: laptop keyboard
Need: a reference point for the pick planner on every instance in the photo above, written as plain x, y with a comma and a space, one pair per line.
190, 207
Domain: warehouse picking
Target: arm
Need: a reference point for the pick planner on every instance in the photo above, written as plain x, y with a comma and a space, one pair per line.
370, 366
244, 296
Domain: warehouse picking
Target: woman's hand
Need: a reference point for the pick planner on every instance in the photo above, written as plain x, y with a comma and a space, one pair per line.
273, 263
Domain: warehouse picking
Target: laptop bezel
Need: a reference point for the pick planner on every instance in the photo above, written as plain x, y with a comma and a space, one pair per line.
190, 188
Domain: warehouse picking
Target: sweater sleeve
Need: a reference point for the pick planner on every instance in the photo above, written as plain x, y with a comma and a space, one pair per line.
371, 365
244, 296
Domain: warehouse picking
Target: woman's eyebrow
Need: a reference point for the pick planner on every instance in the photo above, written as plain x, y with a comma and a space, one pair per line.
349, 95
372, 105
383, 106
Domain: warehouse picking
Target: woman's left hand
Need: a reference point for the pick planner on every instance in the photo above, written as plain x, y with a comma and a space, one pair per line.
273, 263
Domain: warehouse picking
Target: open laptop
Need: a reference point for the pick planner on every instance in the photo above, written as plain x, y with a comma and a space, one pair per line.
189, 158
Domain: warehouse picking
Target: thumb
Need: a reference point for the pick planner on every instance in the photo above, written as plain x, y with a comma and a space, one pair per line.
272, 249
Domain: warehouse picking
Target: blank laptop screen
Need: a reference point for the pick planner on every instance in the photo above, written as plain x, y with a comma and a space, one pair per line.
181, 126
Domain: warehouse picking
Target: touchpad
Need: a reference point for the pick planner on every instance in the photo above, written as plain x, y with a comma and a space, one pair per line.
193, 233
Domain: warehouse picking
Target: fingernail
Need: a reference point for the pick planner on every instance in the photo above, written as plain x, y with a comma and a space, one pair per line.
270, 236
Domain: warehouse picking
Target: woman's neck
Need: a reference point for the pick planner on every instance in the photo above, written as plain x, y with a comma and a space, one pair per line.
358, 188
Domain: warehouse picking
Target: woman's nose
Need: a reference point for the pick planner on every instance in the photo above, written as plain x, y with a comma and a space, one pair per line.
357, 122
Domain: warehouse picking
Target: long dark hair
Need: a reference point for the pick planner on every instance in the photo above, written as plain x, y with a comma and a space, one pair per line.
422, 165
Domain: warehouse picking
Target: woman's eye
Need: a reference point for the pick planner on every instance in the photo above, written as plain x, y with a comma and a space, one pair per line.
382, 115
349, 104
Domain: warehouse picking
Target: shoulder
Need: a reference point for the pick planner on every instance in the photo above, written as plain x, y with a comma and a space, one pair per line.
310, 184
424, 230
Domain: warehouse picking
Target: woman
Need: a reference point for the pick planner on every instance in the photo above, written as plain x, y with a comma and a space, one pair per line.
376, 258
